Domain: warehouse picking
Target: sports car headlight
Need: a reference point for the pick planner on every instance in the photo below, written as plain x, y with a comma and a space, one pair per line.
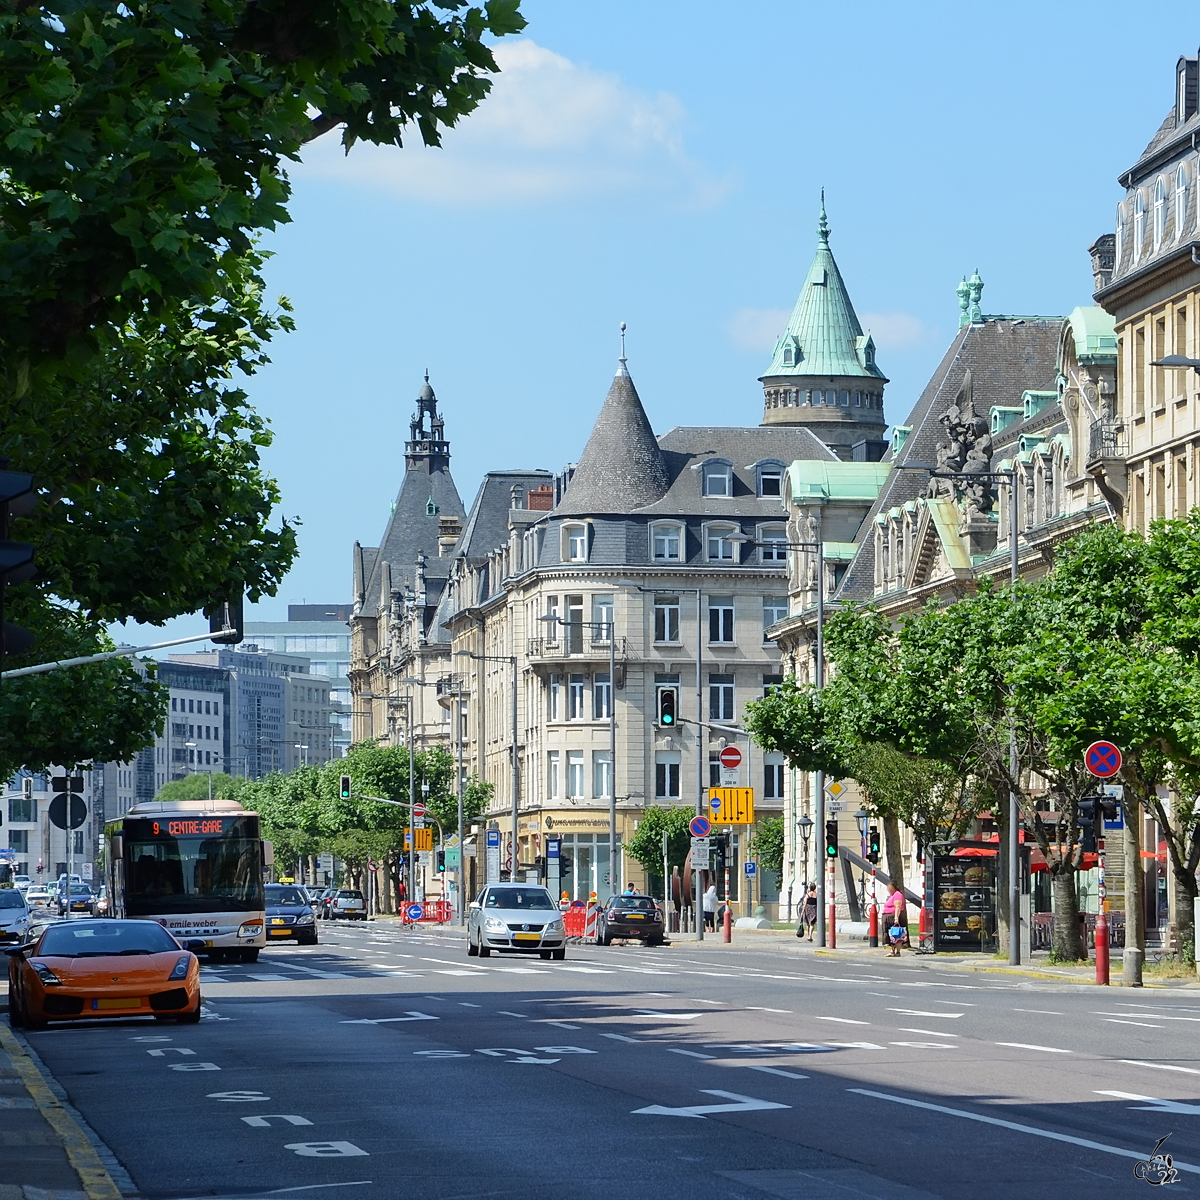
180, 969
493, 925
304, 919
46, 975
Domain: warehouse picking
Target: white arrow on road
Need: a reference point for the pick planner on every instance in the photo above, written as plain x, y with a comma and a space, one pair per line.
1153, 1104
649, 1012
522, 1056
412, 1016
742, 1104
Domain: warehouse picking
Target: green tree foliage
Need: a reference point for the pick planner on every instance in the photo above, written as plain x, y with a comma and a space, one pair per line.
200, 786
768, 844
646, 844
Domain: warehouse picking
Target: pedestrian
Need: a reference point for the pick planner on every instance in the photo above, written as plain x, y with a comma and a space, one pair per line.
808, 914
895, 920
710, 907
630, 890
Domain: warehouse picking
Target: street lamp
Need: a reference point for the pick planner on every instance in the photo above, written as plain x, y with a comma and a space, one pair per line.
516, 769
805, 825
615, 876
1014, 822
303, 753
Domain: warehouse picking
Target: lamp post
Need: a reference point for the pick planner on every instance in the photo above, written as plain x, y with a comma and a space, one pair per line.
516, 769
615, 876
805, 826
1014, 561
303, 753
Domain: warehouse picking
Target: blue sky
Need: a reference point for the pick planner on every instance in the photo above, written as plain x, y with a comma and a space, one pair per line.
661, 164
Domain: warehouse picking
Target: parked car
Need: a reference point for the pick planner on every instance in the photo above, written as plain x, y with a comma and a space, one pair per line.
516, 917
322, 905
347, 904
14, 916
630, 916
290, 915
80, 900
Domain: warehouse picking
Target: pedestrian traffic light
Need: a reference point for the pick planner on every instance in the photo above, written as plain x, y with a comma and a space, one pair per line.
344, 789
873, 844
831, 842
440, 860
1089, 820
668, 702
17, 497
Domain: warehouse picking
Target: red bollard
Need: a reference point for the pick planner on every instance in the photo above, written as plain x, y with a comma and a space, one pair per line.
873, 927
1102, 949
831, 930
923, 925
727, 924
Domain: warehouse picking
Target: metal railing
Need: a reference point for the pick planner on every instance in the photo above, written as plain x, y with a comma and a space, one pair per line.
566, 646
1106, 439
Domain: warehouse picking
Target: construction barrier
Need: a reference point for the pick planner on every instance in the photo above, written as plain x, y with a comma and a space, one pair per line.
580, 921
433, 912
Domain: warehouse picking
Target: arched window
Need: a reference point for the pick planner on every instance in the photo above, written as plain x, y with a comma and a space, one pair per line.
1160, 211
1181, 199
719, 544
718, 477
1119, 243
770, 478
1139, 225
666, 542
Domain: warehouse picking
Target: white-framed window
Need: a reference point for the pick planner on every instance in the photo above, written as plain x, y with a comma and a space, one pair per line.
775, 608
575, 775
602, 619
770, 479
1181, 199
666, 618
1119, 248
666, 774
574, 625
601, 696
720, 620
718, 543
720, 697
601, 774
553, 777
773, 776
575, 686
575, 543
718, 477
1139, 224
774, 547
551, 627
553, 690
666, 543
771, 682
1160, 211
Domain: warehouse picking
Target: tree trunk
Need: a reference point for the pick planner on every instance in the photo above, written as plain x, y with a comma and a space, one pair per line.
1185, 925
1135, 885
1068, 945
891, 850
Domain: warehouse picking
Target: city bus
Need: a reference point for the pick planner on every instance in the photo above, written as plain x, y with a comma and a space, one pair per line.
197, 868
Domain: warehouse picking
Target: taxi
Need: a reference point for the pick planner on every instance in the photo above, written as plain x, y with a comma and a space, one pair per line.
99, 967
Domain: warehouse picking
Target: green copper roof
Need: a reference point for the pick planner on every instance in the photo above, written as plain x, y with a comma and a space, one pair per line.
819, 480
823, 336
1095, 334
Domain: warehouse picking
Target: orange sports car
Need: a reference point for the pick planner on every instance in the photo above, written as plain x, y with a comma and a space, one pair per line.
80, 970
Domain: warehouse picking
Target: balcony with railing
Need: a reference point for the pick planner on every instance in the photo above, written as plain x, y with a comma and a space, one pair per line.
1107, 440
576, 644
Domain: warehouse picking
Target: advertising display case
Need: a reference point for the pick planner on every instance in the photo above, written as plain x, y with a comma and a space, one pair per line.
964, 902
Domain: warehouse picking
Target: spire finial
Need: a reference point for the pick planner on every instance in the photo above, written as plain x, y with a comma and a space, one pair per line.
426, 374
823, 224
622, 369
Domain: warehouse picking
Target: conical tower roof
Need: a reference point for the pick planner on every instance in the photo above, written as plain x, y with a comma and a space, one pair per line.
823, 336
622, 468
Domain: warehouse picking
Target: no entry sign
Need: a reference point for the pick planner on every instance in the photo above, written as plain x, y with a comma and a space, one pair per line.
1102, 759
730, 758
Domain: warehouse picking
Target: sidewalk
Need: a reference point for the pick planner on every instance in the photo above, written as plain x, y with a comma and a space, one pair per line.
46, 1153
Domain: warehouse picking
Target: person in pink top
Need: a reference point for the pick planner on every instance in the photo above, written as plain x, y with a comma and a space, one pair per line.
895, 920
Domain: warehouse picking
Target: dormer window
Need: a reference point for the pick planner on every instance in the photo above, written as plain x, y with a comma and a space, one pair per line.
1139, 225
1119, 246
718, 478
770, 479
1181, 199
773, 544
666, 543
575, 539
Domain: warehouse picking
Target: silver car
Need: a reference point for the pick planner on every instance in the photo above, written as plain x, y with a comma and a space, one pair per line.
14, 916
516, 917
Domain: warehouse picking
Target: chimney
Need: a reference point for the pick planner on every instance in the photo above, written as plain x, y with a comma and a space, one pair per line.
449, 531
541, 499
1103, 251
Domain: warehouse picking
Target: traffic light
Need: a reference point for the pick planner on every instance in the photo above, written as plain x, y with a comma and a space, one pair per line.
439, 860
668, 703
873, 844
16, 558
344, 789
831, 842
722, 844
226, 614
1089, 820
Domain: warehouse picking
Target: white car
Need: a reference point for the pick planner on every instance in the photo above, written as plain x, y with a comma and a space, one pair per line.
347, 904
22, 881
14, 916
37, 895
515, 917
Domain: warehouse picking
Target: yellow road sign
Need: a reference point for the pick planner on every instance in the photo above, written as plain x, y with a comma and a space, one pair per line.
731, 806
424, 838
835, 789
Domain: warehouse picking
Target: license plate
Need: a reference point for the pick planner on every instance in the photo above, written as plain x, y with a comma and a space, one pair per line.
636, 916
278, 932
118, 1002
527, 937
278, 921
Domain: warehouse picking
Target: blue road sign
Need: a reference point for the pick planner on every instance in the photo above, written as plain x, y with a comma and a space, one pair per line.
415, 912
493, 837
700, 826
553, 848
1102, 759
751, 868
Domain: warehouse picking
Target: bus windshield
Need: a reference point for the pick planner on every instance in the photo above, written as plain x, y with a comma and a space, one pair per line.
170, 869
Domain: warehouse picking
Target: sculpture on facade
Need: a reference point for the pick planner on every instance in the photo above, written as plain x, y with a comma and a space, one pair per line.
966, 453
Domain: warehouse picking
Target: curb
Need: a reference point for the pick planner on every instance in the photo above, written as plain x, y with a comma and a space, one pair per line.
97, 1182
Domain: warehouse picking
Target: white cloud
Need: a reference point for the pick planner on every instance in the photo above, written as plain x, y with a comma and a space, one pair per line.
893, 331
550, 130
757, 328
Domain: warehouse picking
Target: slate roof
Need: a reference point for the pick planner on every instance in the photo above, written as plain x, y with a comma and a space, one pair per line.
486, 526
1006, 356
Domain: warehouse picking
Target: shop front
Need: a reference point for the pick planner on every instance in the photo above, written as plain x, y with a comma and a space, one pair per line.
586, 858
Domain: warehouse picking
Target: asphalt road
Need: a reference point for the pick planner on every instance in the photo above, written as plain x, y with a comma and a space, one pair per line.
386, 1063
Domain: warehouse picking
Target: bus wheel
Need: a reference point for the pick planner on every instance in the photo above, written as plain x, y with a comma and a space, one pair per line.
250, 955
216, 956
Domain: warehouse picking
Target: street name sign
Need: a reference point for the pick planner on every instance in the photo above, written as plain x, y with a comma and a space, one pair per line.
731, 806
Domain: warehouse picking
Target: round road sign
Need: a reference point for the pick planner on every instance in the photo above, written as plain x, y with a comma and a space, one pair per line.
415, 912
730, 758
700, 826
418, 810
1102, 759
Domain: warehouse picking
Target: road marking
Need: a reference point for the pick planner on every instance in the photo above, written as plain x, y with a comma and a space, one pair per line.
1017, 1127
1133, 1062
194, 1067
454, 972
238, 1097
268, 978
587, 970
842, 1020
287, 966
620, 1037
662, 1016
1045, 1012
311, 1187
412, 1016
562, 1024
169, 1050
740, 1104
773, 1071
522, 1056
929, 1032
565, 1050
505, 1013
468, 1004
1027, 1046
264, 1121
916, 1012
855, 1045
691, 1001
1156, 1016
1152, 1103
1118, 1021
325, 1149
689, 1053
759, 1008
925, 1045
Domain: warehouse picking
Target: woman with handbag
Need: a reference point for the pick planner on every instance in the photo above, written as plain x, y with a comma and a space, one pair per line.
895, 918
808, 914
